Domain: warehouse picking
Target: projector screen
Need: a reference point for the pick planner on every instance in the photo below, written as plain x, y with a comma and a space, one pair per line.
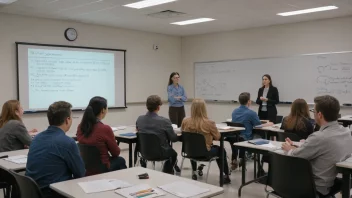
49, 73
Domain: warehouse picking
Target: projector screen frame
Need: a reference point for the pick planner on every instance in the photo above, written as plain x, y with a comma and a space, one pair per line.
68, 46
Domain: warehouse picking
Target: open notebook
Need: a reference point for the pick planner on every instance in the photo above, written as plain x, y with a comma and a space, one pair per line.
141, 190
102, 185
183, 189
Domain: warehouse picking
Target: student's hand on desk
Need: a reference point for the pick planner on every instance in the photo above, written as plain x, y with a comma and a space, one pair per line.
263, 99
288, 140
33, 131
287, 146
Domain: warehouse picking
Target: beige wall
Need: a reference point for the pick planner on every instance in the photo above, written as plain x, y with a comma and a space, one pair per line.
274, 41
146, 70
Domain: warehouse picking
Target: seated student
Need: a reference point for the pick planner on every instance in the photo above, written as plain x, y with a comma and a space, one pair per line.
299, 121
199, 123
324, 148
92, 131
162, 127
249, 119
13, 133
53, 156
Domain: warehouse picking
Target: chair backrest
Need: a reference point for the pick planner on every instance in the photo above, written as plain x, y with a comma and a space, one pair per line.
291, 177
193, 145
294, 137
92, 160
149, 146
279, 119
27, 186
234, 124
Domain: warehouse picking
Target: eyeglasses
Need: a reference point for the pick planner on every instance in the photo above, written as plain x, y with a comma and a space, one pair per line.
312, 110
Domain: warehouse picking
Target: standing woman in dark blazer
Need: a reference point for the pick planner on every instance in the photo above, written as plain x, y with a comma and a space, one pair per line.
176, 97
268, 97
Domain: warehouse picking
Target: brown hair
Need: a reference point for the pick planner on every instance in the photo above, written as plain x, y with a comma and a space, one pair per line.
153, 102
329, 106
58, 112
299, 112
244, 98
8, 112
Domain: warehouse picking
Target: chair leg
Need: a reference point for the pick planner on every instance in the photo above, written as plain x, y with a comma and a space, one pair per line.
206, 179
162, 165
153, 165
183, 159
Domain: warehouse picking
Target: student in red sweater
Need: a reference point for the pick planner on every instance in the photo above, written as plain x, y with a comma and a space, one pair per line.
91, 131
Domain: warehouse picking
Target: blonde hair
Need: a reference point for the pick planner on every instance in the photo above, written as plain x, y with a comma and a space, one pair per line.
9, 112
199, 115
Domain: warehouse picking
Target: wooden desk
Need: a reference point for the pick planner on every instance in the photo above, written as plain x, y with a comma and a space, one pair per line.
345, 168
72, 189
346, 120
10, 165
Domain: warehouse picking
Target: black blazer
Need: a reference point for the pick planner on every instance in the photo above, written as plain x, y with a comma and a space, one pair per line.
273, 99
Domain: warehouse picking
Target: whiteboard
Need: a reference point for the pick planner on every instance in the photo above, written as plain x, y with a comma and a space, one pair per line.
303, 76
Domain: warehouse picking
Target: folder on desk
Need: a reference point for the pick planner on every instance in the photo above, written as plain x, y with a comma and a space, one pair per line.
259, 141
128, 134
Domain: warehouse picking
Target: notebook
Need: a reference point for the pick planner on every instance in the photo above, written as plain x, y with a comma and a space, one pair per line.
128, 134
139, 191
18, 159
183, 189
259, 141
102, 185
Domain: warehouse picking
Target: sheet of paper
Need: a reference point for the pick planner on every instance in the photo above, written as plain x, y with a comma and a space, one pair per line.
183, 189
133, 191
114, 128
174, 126
270, 145
102, 185
121, 127
222, 126
18, 159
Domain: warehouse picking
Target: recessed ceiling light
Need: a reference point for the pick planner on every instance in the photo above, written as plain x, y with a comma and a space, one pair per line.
192, 21
297, 12
7, 1
147, 3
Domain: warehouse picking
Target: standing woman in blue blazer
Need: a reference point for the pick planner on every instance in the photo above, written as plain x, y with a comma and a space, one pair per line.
176, 97
268, 97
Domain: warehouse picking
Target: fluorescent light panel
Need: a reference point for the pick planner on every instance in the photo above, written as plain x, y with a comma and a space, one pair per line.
319, 9
147, 3
192, 21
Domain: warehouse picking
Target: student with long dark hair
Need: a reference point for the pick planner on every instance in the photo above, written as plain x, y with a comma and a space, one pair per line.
268, 97
176, 97
299, 121
91, 131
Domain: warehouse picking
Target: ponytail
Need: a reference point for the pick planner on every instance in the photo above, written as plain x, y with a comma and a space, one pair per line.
88, 121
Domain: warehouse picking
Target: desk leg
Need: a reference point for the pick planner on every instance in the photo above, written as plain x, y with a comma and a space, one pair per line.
130, 144
221, 161
346, 185
243, 170
255, 165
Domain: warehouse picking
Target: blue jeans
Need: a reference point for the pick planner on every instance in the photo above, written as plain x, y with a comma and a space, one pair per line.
117, 163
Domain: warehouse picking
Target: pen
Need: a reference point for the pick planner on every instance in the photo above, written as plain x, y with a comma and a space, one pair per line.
144, 195
5, 156
141, 191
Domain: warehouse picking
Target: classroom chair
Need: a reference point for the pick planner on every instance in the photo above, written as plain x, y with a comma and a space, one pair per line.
27, 186
195, 149
282, 137
91, 158
300, 183
149, 149
8, 183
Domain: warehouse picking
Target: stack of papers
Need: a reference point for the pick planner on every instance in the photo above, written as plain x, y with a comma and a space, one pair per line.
141, 190
102, 185
223, 127
183, 189
18, 159
271, 146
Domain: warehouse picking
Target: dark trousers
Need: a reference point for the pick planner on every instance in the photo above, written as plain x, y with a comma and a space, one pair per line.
176, 115
117, 163
215, 151
263, 115
235, 151
169, 164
